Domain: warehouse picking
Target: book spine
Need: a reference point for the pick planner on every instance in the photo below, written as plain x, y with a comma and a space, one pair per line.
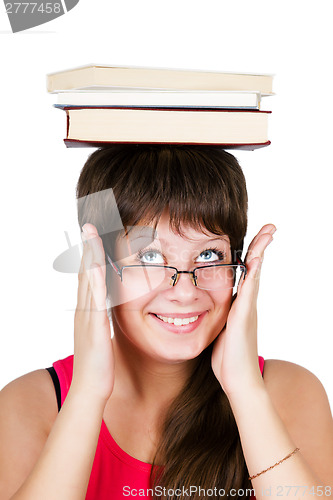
67, 123
75, 143
153, 108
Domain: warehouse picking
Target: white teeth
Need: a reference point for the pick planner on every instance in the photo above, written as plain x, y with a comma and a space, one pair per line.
178, 321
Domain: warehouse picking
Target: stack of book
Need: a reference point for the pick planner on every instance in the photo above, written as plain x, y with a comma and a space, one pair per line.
107, 104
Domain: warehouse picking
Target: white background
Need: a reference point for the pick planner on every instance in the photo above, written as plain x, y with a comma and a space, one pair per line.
289, 183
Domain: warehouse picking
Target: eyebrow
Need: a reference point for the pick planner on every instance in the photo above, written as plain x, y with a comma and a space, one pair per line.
132, 248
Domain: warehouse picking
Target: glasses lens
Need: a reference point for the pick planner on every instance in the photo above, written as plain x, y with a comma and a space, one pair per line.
147, 278
218, 277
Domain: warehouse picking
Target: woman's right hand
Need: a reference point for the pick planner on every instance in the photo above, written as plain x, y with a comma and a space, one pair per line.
93, 371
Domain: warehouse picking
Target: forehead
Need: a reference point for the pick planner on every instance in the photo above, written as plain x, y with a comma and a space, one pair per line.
160, 233
188, 236
188, 233
140, 237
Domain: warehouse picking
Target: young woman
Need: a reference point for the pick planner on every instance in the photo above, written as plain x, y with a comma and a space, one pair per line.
177, 403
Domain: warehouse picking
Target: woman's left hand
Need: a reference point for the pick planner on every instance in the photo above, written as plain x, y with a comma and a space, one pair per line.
235, 353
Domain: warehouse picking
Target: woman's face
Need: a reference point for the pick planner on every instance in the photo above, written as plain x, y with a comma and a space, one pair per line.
153, 321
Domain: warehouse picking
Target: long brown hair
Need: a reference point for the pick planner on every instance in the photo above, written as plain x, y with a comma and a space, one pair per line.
203, 187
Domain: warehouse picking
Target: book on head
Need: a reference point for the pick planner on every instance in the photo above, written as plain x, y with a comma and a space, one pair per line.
161, 98
98, 77
92, 126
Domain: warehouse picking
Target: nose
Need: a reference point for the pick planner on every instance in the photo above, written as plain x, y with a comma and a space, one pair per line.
190, 274
184, 290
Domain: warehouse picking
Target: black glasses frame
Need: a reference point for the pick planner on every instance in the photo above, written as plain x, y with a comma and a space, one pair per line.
177, 273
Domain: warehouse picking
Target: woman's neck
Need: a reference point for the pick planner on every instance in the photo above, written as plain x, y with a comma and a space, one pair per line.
150, 382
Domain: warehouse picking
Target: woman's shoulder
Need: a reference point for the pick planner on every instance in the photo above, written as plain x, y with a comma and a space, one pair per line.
28, 409
297, 393
279, 366
31, 395
277, 371
302, 404
289, 382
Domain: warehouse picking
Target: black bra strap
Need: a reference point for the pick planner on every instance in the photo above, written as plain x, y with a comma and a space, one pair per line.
55, 379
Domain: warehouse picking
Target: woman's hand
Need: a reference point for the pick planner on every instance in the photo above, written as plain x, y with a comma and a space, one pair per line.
93, 372
235, 354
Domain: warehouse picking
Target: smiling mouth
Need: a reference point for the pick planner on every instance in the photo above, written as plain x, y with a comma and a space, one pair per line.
177, 321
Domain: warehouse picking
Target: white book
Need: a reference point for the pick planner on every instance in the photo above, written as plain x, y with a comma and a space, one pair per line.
152, 98
97, 76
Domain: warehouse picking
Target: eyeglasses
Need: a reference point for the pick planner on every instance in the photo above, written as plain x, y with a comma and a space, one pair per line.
147, 277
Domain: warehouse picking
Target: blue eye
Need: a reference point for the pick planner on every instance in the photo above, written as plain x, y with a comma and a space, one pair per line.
154, 256
211, 255
150, 256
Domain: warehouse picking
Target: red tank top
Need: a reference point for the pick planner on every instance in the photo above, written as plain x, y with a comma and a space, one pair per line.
115, 475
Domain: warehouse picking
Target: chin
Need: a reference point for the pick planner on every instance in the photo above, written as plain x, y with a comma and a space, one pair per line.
179, 350
176, 357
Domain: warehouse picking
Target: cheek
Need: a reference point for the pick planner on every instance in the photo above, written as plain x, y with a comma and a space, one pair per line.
125, 324
127, 295
127, 298
222, 302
